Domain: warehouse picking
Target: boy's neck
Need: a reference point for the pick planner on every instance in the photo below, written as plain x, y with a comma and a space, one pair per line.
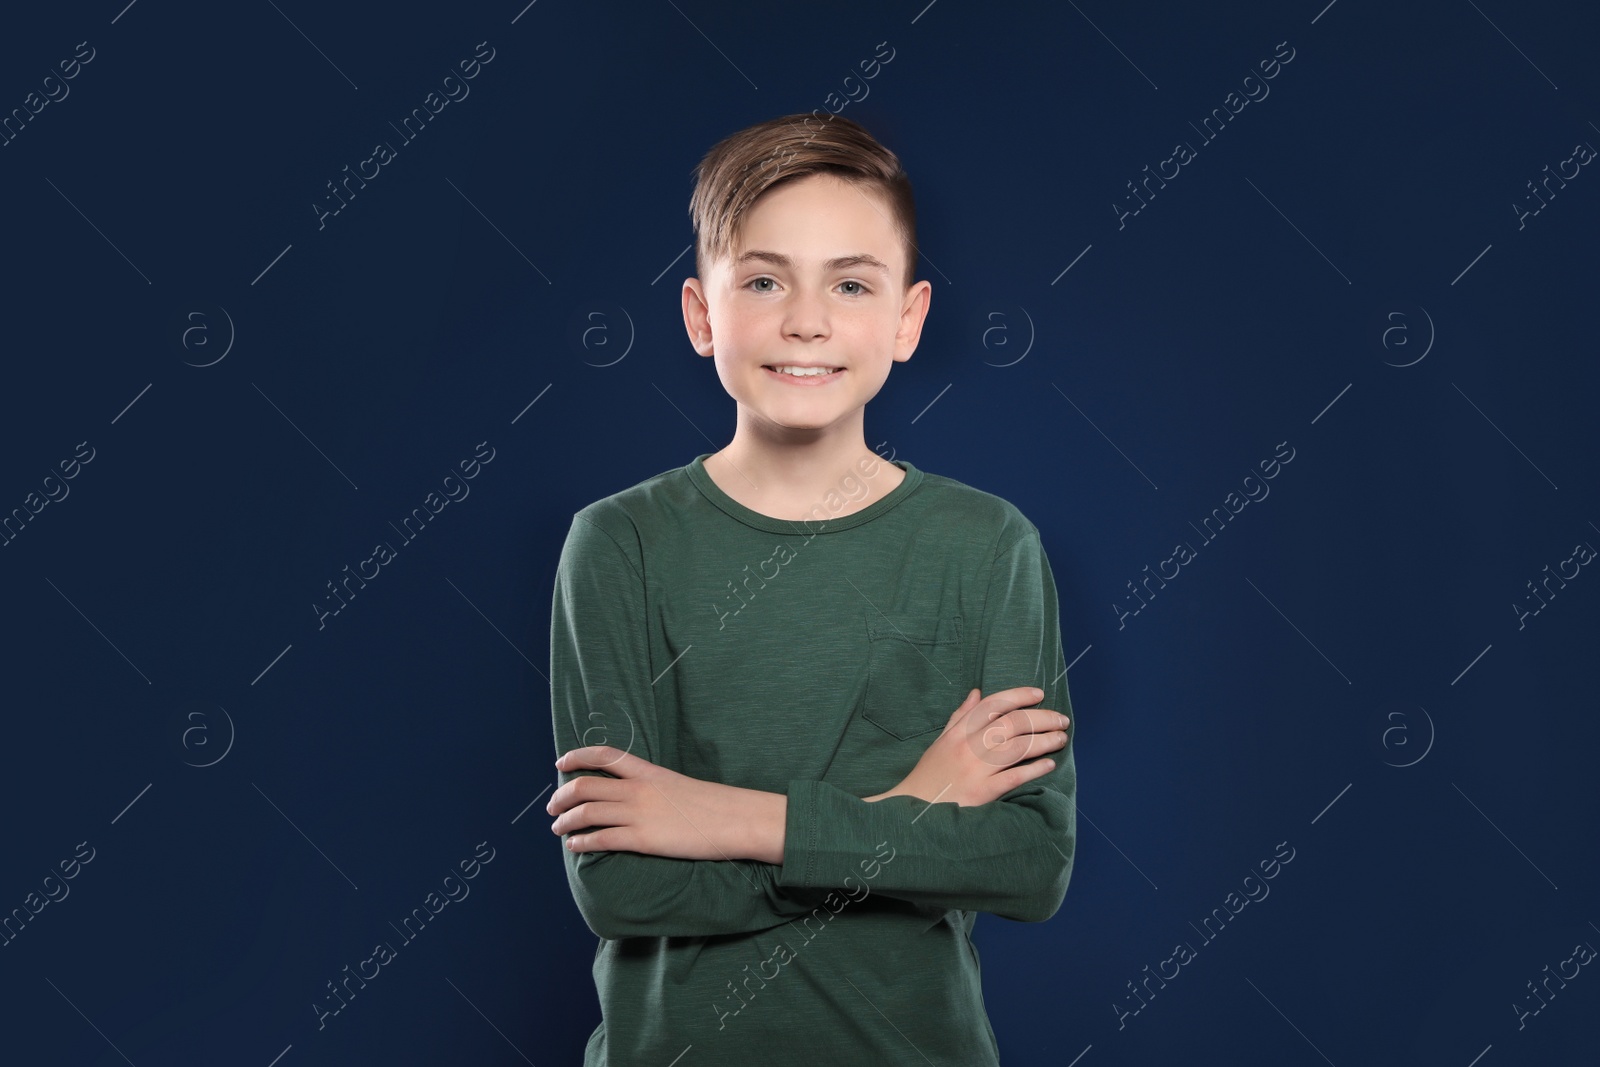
788, 483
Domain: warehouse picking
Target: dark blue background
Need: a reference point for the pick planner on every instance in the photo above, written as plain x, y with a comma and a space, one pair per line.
1358, 618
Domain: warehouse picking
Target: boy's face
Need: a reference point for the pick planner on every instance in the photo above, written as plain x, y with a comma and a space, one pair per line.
778, 301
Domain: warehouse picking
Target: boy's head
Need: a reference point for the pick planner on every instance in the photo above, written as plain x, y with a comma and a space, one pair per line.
805, 255
745, 165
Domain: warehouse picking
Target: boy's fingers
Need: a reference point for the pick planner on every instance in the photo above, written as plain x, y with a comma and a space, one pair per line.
1009, 700
1020, 775
598, 757
1015, 732
591, 786
594, 756
1037, 721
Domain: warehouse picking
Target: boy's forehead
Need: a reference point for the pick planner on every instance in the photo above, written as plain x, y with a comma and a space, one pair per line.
817, 221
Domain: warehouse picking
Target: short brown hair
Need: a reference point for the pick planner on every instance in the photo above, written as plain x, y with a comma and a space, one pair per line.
744, 165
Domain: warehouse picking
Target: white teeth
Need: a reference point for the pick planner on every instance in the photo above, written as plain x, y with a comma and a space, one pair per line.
804, 372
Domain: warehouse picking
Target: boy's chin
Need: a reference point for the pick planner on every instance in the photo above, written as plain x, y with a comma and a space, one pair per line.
790, 421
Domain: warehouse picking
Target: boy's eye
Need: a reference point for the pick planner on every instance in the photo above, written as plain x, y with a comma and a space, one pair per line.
859, 290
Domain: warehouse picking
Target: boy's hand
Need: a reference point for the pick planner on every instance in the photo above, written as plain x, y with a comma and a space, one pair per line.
972, 760
650, 809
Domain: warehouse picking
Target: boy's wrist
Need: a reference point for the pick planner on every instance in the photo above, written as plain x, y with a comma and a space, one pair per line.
763, 831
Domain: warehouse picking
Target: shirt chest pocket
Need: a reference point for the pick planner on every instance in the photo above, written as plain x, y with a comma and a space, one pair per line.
916, 671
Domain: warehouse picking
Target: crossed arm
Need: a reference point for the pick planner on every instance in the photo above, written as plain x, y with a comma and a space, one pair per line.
659, 812
652, 852
662, 862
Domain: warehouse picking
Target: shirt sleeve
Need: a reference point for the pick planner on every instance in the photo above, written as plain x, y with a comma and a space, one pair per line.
600, 683
1012, 857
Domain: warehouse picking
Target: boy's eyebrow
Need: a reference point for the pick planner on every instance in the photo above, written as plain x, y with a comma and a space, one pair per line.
778, 259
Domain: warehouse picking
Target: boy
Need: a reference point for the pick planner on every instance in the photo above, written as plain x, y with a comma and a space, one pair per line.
754, 660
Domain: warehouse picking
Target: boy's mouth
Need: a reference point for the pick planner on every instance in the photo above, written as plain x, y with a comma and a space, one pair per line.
801, 372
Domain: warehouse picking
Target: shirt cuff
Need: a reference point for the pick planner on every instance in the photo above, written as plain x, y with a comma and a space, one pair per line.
809, 860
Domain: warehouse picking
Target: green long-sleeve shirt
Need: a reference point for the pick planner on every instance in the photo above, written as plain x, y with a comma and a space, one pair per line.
816, 659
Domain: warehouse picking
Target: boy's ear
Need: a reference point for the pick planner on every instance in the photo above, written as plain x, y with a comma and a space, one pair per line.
697, 317
913, 313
